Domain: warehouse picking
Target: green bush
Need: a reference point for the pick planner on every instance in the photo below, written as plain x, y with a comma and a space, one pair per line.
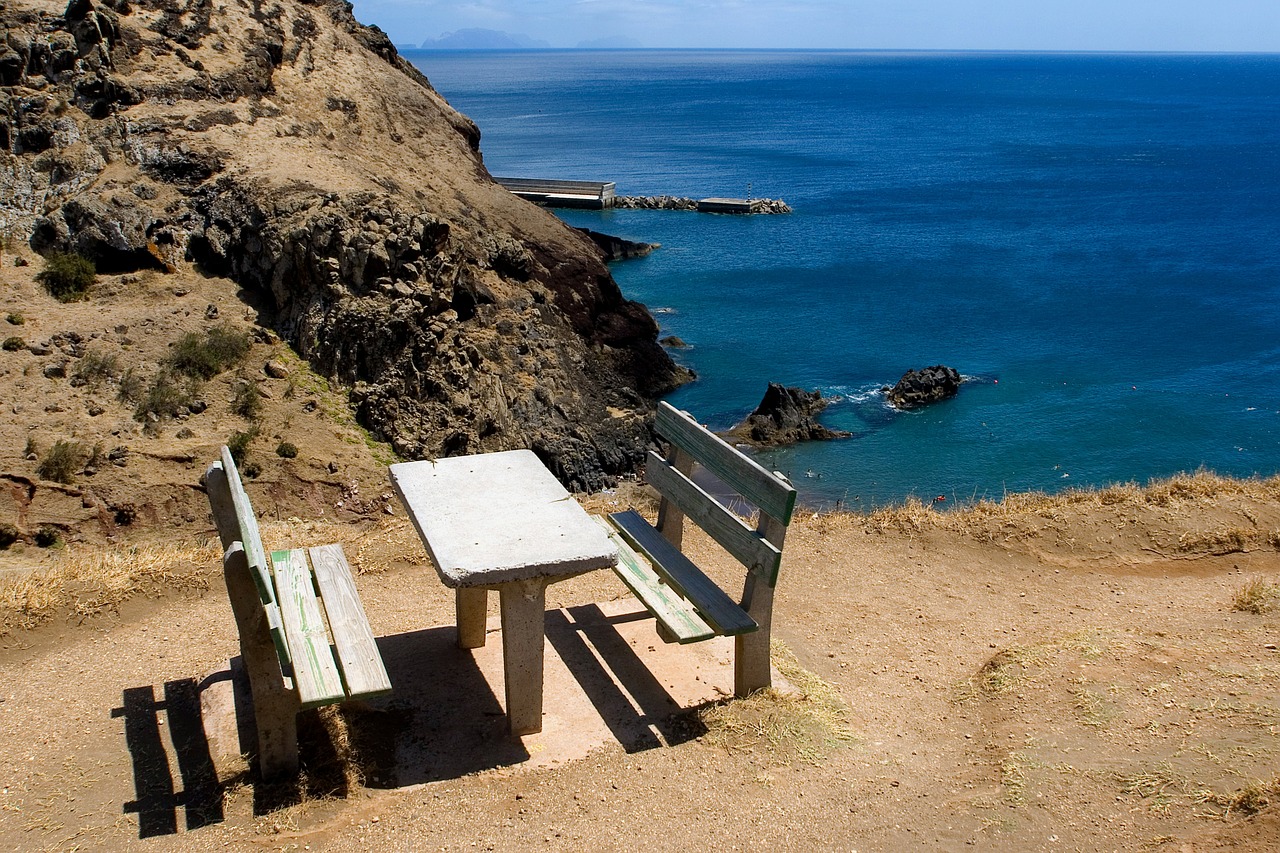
166, 396
13, 344
247, 401
239, 443
131, 387
15, 319
287, 450
204, 356
67, 277
8, 535
95, 368
47, 537
62, 462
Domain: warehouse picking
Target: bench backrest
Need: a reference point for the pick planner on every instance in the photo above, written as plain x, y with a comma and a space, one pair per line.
236, 522
760, 550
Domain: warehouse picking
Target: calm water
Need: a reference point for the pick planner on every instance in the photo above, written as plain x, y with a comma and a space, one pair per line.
1094, 239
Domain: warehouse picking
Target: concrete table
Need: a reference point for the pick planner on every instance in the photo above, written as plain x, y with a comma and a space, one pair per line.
502, 521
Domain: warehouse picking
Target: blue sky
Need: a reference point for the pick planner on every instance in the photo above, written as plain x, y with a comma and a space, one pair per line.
1169, 25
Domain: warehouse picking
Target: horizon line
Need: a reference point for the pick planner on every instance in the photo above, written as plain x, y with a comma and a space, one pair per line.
406, 47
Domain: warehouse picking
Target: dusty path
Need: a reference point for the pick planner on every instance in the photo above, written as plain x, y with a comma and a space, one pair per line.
1081, 683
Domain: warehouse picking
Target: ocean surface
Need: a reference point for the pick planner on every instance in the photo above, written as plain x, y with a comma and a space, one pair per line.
1094, 240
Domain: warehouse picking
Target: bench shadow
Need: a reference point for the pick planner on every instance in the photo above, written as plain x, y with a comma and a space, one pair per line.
631, 701
157, 801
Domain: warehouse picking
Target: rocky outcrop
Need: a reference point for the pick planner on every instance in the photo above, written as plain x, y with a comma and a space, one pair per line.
290, 148
618, 249
669, 202
919, 388
786, 416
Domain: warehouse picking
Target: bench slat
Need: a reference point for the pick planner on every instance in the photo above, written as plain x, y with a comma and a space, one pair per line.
718, 609
770, 493
666, 605
315, 672
726, 528
362, 668
236, 523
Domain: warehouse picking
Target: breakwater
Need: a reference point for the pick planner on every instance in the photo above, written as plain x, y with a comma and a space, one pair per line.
668, 202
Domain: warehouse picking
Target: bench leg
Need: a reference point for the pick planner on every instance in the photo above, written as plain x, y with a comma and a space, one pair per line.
471, 606
751, 671
523, 619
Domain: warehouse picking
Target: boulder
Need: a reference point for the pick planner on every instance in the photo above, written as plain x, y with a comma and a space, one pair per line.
919, 388
786, 416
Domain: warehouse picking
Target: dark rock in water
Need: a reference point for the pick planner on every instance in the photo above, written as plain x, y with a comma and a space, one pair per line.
786, 416
919, 388
618, 249
673, 341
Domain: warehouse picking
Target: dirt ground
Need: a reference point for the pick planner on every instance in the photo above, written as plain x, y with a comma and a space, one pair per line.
1060, 673
1069, 675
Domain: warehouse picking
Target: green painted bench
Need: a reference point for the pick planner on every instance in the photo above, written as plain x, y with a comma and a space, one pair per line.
304, 636
687, 605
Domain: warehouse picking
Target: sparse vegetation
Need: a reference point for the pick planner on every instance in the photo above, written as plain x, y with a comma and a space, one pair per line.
166, 397
205, 355
62, 462
1257, 596
131, 387
95, 368
239, 443
13, 344
247, 401
8, 535
47, 537
67, 277
287, 450
14, 318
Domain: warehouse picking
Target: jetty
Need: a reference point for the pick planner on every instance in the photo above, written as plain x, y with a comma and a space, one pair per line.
601, 195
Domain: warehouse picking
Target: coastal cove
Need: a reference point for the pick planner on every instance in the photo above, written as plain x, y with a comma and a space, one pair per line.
1092, 239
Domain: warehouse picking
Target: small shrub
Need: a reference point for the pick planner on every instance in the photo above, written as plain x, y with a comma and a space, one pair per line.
32, 448
95, 368
1257, 596
67, 277
131, 387
165, 397
15, 319
13, 344
62, 462
247, 401
239, 443
126, 514
206, 355
8, 535
287, 450
47, 537
251, 470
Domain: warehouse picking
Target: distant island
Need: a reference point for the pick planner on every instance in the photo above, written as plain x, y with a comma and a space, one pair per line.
481, 39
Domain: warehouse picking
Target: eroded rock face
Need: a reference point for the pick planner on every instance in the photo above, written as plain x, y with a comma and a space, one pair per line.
919, 388
291, 149
786, 416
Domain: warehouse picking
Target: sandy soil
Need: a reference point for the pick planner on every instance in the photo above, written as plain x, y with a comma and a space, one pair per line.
1071, 677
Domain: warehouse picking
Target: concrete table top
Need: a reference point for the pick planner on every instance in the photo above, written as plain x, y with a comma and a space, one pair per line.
495, 518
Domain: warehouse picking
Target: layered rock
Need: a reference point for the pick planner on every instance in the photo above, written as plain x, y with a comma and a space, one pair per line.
919, 388
290, 148
786, 416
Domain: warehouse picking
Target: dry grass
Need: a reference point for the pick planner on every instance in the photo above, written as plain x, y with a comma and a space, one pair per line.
1022, 515
1256, 596
804, 725
1248, 800
84, 581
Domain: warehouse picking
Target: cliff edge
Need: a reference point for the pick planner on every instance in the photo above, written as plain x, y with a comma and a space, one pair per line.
289, 148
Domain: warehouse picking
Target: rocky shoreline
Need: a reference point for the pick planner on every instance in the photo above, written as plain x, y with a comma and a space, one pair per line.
669, 202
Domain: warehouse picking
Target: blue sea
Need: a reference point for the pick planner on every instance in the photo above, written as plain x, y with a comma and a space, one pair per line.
1093, 240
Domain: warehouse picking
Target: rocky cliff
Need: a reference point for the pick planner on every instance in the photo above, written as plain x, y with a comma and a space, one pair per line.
289, 148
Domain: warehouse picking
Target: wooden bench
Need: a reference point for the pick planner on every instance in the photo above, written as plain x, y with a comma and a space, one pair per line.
281, 609
690, 607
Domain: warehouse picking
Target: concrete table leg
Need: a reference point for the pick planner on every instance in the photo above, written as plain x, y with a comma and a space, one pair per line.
523, 619
471, 606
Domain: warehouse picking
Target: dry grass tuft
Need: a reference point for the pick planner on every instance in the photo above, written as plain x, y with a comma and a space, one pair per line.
802, 726
90, 580
1256, 596
1249, 800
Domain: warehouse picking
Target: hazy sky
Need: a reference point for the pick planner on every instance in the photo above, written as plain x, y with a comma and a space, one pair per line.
1172, 25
